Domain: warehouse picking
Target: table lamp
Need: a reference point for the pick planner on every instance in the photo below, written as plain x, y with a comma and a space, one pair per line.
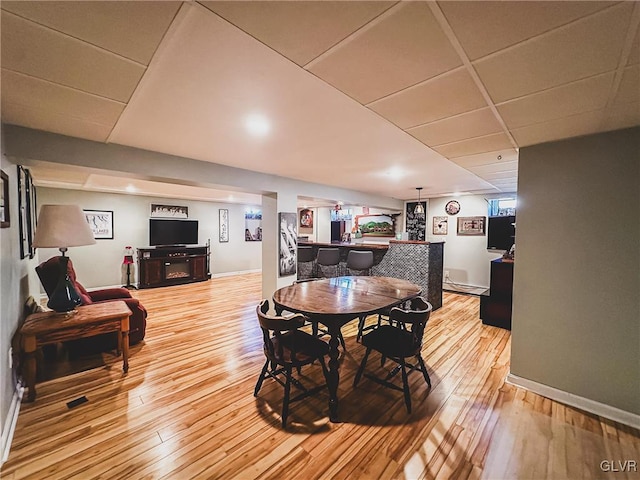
63, 226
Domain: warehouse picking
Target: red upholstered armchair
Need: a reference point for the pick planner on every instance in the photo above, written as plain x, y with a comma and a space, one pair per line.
49, 273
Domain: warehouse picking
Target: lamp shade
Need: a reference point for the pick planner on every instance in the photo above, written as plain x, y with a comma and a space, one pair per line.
62, 226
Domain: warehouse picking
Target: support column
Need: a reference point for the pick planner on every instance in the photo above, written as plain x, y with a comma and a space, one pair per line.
281, 201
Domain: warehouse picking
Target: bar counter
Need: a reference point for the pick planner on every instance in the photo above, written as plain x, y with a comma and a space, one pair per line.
418, 262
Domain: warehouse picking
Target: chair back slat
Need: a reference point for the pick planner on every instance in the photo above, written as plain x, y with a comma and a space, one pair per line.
417, 314
276, 325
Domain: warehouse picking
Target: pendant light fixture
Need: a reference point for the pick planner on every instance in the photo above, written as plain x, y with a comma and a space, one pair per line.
419, 210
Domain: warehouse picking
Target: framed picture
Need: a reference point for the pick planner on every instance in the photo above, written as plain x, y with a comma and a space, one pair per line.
223, 221
23, 212
101, 223
288, 244
4, 201
169, 211
440, 225
32, 212
471, 226
253, 226
376, 225
306, 218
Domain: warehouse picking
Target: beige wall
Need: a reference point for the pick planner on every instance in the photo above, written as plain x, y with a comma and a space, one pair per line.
101, 264
466, 258
576, 317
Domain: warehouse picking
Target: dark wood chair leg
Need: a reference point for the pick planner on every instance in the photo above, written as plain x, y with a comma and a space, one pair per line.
405, 385
361, 368
285, 403
423, 369
261, 378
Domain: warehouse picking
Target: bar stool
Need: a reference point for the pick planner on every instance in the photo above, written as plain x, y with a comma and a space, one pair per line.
359, 262
306, 262
328, 257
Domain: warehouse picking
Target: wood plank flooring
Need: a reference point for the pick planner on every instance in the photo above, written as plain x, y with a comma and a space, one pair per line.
186, 408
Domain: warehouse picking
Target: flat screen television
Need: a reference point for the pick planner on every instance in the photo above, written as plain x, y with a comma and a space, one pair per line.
501, 233
172, 232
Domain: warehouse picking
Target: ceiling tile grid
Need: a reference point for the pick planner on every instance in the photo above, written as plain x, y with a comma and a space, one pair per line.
33, 92
446, 95
130, 29
40, 52
459, 127
401, 48
301, 31
437, 90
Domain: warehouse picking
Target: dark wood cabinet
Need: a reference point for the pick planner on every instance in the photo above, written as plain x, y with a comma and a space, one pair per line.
495, 303
162, 266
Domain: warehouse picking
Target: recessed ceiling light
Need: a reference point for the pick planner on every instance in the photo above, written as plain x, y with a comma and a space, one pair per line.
395, 173
257, 125
130, 188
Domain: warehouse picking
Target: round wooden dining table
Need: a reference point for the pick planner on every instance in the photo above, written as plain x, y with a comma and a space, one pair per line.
335, 301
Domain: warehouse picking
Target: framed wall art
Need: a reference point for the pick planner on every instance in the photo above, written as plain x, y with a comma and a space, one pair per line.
440, 225
253, 226
169, 211
471, 226
32, 212
223, 222
23, 213
288, 244
306, 218
4, 201
376, 225
101, 223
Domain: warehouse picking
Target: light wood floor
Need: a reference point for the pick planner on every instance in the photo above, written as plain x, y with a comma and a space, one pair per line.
186, 408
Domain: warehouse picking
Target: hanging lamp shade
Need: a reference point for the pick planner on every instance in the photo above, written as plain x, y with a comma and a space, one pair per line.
419, 210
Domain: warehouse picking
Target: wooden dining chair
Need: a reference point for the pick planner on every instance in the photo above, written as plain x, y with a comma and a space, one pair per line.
286, 348
400, 340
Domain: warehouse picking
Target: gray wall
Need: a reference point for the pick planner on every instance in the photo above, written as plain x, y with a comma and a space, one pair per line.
101, 264
17, 279
576, 318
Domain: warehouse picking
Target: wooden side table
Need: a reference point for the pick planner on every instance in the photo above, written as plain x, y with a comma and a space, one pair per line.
86, 321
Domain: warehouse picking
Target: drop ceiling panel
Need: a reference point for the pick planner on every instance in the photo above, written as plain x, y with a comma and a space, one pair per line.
500, 156
495, 168
300, 31
130, 29
499, 176
39, 119
486, 27
622, 116
573, 126
58, 176
634, 55
629, 89
32, 92
584, 48
40, 52
488, 143
449, 94
109, 183
403, 47
577, 97
467, 125
317, 134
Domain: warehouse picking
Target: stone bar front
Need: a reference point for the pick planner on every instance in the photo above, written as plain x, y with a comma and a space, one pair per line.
418, 262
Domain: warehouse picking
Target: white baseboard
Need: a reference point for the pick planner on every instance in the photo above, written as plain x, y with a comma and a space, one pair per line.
229, 274
591, 406
10, 424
